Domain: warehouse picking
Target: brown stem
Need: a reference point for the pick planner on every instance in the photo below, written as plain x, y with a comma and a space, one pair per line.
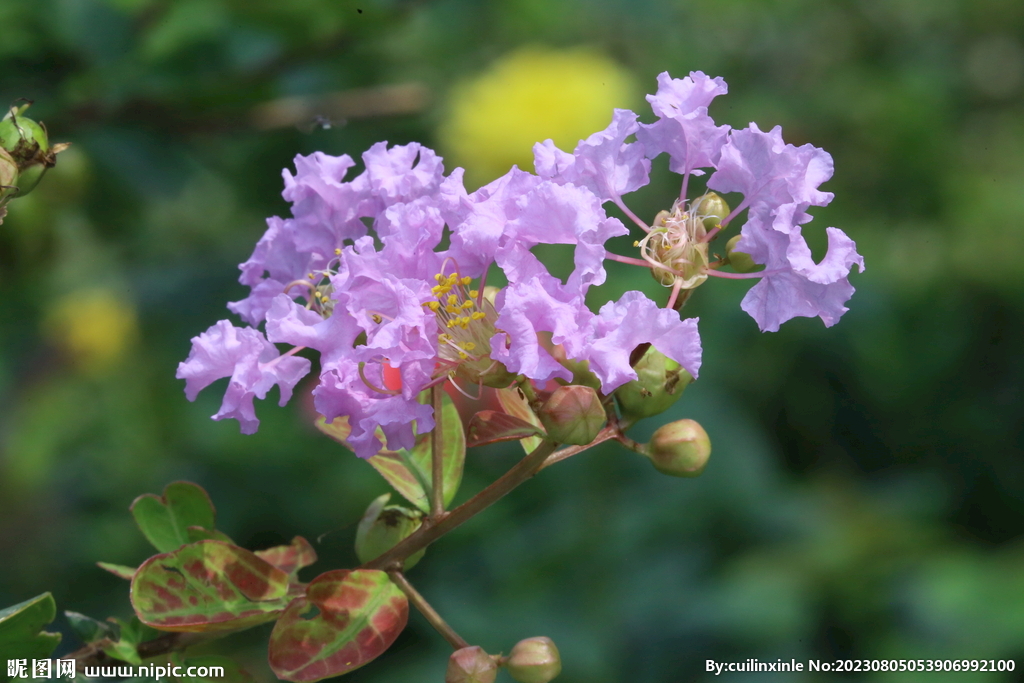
436, 457
431, 531
420, 603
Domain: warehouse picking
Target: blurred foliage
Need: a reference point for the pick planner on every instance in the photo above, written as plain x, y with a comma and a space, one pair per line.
865, 494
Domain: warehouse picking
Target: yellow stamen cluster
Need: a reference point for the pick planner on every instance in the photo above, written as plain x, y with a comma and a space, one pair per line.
453, 308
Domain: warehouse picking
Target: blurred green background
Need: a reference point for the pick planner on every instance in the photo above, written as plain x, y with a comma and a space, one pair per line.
866, 491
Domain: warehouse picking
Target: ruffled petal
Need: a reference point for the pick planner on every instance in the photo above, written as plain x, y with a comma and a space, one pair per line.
620, 326
253, 364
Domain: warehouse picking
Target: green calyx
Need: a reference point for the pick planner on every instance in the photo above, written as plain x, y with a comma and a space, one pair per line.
740, 262
659, 384
573, 415
711, 208
382, 527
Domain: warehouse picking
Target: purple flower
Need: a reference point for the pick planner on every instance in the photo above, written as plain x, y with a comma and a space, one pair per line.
604, 163
684, 129
253, 364
779, 182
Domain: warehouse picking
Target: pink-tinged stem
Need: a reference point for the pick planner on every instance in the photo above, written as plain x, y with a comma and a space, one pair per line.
675, 293
711, 233
632, 216
735, 212
627, 259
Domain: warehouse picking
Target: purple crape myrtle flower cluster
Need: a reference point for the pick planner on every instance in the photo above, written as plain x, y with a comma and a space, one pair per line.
385, 274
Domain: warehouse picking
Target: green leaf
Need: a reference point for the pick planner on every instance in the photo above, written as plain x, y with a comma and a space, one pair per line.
128, 635
164, 520
409, 471
88, 629
515, 404
346, 619
208, 586
198, 533
289, 558
118, 570
381, 528
490, 426
232, 671
21, 633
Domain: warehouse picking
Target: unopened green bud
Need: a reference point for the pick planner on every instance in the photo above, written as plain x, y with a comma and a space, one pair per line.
381, 528
712, 208
660, 382
573, 415
534, 660
28, 146
740, 262
471, 665
680, 449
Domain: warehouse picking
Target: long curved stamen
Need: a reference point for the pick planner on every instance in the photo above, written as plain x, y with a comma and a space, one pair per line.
451, 378
370, 385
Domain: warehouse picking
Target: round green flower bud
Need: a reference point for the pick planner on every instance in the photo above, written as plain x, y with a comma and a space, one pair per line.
680, 449
740, 262
712, 208
660, 382
381, 528
471, 665
28, 145
573, 415
534, 660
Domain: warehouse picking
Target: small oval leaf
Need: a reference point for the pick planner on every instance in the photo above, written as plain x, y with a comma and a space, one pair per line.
164, 520
208, 586
490, 426
21, 633
346, 619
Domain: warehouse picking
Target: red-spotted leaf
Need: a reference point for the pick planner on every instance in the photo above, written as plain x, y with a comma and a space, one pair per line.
208, 586
489, 426
118, 570
346, 619
289, 558
409, 471
164, 520
515, 404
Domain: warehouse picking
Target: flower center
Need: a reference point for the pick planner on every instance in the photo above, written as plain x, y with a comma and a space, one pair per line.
466, 319
675, 245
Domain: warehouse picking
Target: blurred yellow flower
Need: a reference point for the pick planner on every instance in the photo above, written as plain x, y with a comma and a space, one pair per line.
94, 327
526, 97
